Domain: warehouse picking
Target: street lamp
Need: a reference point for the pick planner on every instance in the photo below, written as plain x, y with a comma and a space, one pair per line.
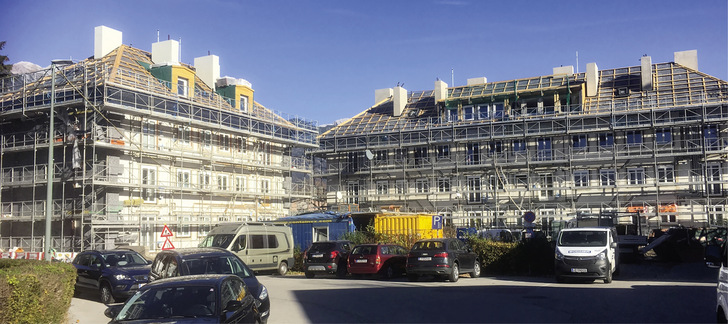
47, 244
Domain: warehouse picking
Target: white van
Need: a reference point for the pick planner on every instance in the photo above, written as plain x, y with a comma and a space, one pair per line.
262, 246
716, 256
586, 253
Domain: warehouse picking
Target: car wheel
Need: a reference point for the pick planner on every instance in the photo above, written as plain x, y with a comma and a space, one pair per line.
455, 274
608, 278
387, 273
283, 268
310, 274
106, 296
476, 270
412, 277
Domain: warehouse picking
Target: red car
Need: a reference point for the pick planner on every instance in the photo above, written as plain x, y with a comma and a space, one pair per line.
387, 260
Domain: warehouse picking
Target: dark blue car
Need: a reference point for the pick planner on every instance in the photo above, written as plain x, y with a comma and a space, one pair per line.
189, 299
115, 274
210, 260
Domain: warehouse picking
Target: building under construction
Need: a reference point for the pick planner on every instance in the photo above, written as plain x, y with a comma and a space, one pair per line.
650, 139
139, 140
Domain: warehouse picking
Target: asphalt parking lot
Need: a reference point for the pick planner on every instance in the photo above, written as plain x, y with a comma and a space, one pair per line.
642, 293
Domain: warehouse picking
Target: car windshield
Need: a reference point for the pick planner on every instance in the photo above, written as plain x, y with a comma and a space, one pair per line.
219, 240
170, 302
583, 238
428, 245
124, 259
217, 265
321, 247
365, 249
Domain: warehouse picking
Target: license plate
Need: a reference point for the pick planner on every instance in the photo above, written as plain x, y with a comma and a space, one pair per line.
424, 259
316, 268
578, 270
361, 260
317, 255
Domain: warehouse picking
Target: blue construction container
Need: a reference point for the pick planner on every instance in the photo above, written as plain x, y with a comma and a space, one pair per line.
308, 228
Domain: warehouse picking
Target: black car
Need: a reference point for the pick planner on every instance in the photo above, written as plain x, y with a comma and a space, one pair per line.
115, 274
326, 257
189, 299
196, 261
447, 257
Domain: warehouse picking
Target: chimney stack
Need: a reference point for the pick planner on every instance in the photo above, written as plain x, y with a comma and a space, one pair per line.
688, 59
561, 70
208, 69
440, 90
400, 100
165, 52
592, 79
382, 94
480, 80
105, 40
646, 71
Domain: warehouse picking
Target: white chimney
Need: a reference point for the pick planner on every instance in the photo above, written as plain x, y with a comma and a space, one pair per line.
561, 70
165, 52
646, 71
400, 100
688, 59
208, 69
480, 80
382, 94
105, 40
440, 90
592, 79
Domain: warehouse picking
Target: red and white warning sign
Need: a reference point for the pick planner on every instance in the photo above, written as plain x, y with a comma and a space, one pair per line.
167, 233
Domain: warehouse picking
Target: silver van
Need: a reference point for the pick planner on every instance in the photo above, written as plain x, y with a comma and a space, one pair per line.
262, 246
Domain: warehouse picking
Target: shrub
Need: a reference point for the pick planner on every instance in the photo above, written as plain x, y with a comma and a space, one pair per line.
534, 257
33, 291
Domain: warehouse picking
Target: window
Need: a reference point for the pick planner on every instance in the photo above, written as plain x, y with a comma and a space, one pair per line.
665, 174
183, 178
206, 138
473, 188
241, 144
544, 149
184, 226
636, 176
149, 134
634, 138
668, 218
663, 136
352, 162
498, 109
239, 184
258, 241
483, 112
149, 182
382, 187
422, 185
204, 180
579, 141
581, 178
472, 151
183, 134
606, 140
182, 86
452, 115
521, 181
443, 152
352, 192
607, 177
400, 186
265, 186
380, 157
420, 156
710, 134
224, 142
244, 103
443, 185
713, 175
468, 113
519, 146
204, 227
222, 182
496, 148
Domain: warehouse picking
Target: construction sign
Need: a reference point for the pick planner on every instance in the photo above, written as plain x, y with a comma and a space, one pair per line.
166, 234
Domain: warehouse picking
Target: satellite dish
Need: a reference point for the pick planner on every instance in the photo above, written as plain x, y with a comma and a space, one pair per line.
369, 154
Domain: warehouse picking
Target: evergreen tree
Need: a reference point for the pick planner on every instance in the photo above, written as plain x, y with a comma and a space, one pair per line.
4, 69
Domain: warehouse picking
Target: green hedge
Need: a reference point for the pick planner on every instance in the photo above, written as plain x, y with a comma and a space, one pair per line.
34, 291
533, 258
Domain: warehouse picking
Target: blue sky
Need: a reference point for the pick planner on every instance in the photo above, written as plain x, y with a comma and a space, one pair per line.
322, 60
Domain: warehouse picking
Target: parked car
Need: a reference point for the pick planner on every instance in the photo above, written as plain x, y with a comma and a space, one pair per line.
115, 274
326, 257
716, 257
189, 299
387, 260
447, 257
196, 261
586, 253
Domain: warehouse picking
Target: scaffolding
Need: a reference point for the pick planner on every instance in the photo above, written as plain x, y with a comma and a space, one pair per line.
133, 156
487, 153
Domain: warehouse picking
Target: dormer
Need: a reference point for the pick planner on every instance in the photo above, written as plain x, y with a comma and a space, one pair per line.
238, 91
180, 79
